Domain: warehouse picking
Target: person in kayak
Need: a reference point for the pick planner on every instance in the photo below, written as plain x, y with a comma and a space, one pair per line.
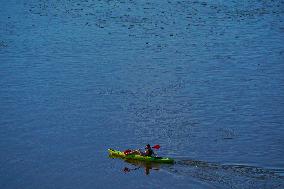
148, 151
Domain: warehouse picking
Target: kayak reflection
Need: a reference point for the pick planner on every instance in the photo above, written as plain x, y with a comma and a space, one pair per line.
147, 166
139, 164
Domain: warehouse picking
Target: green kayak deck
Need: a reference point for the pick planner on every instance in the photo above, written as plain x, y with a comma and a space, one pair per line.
120, 154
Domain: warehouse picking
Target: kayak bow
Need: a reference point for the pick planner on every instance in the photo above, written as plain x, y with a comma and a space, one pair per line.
116, 153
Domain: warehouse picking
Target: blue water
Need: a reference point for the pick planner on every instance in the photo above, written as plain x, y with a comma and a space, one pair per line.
203, 79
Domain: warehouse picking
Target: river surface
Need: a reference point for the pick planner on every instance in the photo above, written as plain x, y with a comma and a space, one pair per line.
203, 79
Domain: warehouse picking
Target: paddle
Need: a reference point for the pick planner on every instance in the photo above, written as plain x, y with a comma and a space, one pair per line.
157, 147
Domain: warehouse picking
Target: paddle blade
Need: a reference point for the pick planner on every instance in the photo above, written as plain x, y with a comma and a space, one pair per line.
156, 146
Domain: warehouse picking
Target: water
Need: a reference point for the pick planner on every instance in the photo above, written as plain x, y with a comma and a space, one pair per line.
204, 79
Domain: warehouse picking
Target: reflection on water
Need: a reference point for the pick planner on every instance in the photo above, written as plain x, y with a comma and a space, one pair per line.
137, 165
147, 166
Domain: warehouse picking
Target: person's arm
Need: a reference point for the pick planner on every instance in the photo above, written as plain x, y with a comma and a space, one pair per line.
146, 152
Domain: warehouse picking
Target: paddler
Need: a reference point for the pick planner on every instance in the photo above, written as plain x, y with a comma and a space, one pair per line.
148, 151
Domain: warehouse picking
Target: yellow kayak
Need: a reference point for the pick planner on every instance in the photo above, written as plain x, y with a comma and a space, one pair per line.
120, 154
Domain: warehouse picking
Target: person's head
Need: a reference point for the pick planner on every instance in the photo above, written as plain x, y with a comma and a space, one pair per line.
147, 146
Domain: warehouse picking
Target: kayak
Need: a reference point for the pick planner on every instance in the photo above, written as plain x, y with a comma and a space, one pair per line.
120, 154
